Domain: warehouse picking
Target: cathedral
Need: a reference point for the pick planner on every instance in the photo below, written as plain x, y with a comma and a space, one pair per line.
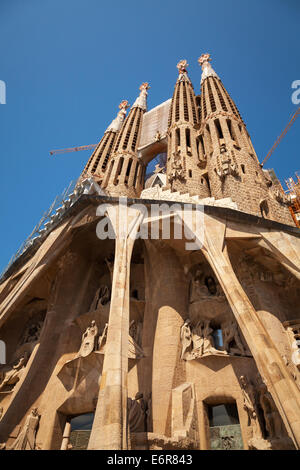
122, 334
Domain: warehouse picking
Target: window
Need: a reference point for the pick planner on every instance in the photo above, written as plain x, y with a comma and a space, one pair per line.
219, 129
79, 431
224, 428
190, 173
243, 168
223, 415
218, 338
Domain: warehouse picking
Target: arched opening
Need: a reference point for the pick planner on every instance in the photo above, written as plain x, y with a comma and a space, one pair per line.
224, 426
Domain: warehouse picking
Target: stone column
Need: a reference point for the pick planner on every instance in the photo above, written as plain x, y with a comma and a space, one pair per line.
166, 310
110, 423
268, 360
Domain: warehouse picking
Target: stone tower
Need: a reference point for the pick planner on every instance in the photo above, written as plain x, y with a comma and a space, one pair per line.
233, 167
185, 170
125, 173
98, 161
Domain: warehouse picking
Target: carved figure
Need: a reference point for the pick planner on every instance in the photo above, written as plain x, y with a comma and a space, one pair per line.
231, 335
136, 409
11, 374
272, 418
135, 331
208, 340
102, 338
26, 438
33, 332
186, 339
88, 340
250, 406
198, 339
102, 297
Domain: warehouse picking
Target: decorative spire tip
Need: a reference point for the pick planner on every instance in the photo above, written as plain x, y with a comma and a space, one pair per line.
182, 66
204, 59
124, 105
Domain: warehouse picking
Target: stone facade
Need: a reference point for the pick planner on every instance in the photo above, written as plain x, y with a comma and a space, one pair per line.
140, 342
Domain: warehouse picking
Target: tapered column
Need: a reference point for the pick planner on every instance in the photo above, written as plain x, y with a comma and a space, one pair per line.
110, 422
268, 360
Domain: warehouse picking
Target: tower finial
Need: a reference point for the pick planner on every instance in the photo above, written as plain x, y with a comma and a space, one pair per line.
116, 124
182, 69
141, 101
204, 60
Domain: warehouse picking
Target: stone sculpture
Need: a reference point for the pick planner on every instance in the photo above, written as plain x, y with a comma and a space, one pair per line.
11, 374
137, 417
32, 333
102, 297
273, 422
232, 340
26, 438
250, 406
88, 340
186, 339
102, 337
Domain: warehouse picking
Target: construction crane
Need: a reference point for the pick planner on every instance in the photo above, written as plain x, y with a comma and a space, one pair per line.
73, 149
279, 139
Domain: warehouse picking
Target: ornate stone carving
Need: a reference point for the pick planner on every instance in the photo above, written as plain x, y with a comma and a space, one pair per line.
250, 405
186, 339
205, 288
11, 374
137, 413
102, 297
32, 332
26, 438
226, 164
88, 342
273, 422
198, 341
102, 337
232, 341
135, 331
177, 171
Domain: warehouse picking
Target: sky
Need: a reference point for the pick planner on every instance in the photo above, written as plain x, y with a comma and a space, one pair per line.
67, 64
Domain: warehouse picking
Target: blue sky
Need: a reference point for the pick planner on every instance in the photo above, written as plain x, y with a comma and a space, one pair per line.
68, 63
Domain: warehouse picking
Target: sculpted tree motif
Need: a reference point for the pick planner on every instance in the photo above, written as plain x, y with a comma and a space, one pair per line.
26, 438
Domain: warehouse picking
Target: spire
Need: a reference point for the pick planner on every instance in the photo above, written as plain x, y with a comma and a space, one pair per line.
125, 174
182, 69
116, 124
185, 171
207, 69
97, 163
141, 101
